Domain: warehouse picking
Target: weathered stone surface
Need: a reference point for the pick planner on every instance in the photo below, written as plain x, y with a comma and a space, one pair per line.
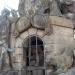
13, 28
40, 33
64, 60
21, 7
40, 21
17, 64
23, 24
18, 51
24, 35
18, 42
60, 33
13, 41
30, 7
67, 1
58, 49
32, 31
74, 52
54, 20
69, 72
55, 11
13, 19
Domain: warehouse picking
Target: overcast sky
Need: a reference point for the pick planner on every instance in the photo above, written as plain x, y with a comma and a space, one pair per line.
9, 4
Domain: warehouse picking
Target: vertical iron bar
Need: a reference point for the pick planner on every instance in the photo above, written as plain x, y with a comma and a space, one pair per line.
29, 53
36, 51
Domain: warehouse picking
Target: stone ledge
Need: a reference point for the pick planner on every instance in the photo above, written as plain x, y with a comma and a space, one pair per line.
60, 21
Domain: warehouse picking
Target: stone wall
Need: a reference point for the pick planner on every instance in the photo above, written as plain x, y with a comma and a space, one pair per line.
18, 44
58, 47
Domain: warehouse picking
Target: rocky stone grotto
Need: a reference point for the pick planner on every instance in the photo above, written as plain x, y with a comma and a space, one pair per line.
38, 38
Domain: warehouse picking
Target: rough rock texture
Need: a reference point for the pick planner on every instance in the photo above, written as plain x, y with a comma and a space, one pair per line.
55, 11
23, 24
64, 60
67, 8
30, 7
58, 47
69, 72
40, 21
58, 50
60, 21
21, 7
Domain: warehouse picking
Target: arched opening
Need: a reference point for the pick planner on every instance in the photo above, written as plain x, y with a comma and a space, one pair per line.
33, 51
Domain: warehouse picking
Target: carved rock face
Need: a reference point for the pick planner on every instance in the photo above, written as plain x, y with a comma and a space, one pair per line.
40, 21
23, 24
30, 7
